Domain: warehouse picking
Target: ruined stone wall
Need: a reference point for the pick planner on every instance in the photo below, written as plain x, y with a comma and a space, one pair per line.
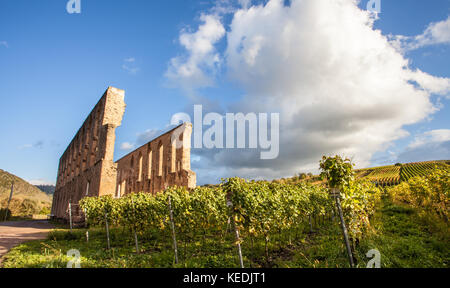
158, 164
87, 166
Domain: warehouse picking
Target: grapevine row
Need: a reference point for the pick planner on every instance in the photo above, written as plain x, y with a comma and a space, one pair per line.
259, 209
409, 171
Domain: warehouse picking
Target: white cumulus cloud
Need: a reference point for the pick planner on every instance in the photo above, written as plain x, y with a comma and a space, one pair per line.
126, 146
433, 136
197, 68
431, 145
340, 85
435, 33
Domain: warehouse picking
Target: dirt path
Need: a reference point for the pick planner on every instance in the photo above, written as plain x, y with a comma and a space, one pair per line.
16, 232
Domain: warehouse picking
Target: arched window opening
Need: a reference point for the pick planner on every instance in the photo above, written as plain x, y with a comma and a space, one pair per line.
140, 168
173, 159
87, 188
160, 160
149, 165
119, 188
123, 187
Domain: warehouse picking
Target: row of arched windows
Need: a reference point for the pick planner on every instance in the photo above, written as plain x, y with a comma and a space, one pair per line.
137, 173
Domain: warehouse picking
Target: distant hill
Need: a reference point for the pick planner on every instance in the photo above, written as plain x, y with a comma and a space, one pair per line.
27, 199
48, 189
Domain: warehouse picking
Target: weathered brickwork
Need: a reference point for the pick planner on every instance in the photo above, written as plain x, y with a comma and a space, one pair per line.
157, 164
87, 166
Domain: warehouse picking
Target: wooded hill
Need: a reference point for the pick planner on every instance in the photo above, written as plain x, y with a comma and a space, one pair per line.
48, 189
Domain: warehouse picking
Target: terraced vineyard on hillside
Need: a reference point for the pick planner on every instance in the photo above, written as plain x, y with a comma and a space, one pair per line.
420, 169
393, 175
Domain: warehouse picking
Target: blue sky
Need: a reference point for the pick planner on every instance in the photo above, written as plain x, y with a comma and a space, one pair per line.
54, 66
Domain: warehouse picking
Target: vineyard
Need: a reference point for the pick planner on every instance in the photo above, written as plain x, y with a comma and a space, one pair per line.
394, 175
429, 193
384, 176
255, 211
411, 170
241, 223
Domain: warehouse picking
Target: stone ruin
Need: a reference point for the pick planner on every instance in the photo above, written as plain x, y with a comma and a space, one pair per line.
87, 167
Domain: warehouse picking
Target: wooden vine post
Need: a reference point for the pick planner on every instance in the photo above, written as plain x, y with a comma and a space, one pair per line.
236, 231
107, 231
85, 218
339, 174
86, 225
172, 225
70, 216
134, 229
238, 240
136, 241
337, 195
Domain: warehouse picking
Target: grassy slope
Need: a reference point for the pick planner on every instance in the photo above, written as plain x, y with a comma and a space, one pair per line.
404, 239
22, 190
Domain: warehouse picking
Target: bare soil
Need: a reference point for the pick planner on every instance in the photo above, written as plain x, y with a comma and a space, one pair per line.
14, 233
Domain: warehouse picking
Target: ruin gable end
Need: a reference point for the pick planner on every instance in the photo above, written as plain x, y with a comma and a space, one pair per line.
87, 167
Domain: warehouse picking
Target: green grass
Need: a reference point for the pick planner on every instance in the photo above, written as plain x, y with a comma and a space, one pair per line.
404, 238
155, 253
408, 240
